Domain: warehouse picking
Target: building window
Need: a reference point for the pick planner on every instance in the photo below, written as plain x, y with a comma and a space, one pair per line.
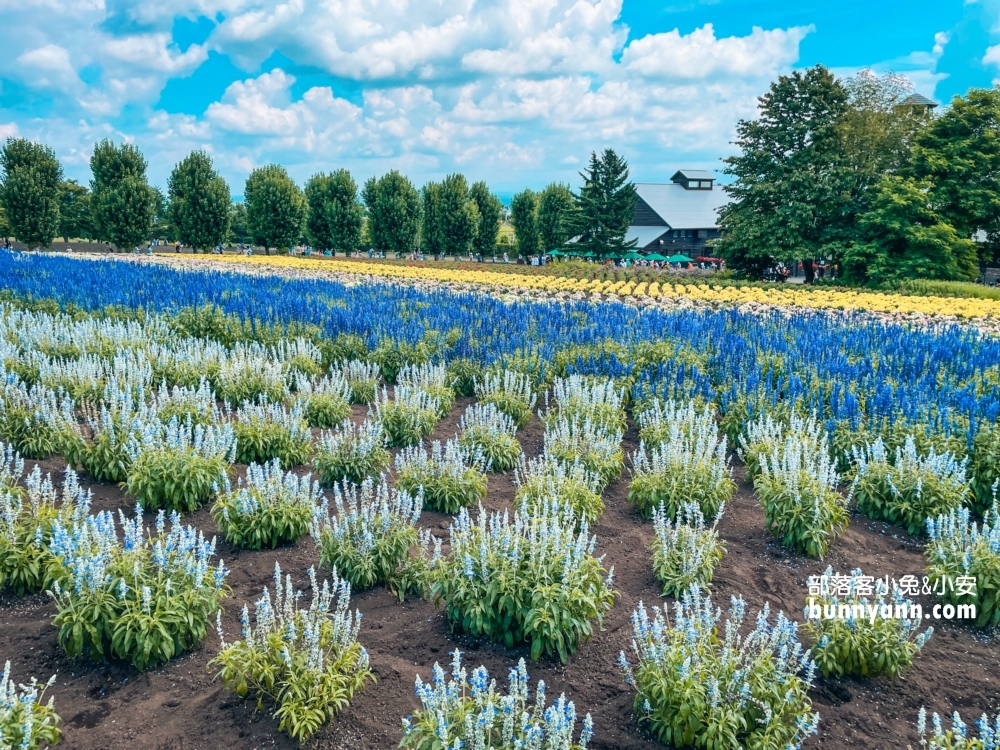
702, 234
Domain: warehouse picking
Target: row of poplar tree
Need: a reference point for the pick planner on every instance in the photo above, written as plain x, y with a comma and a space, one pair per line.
449, 217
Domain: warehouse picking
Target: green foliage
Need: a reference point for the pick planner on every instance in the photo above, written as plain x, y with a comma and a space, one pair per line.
270, 509
326, 402
908, 239
268, 432
684, 469
582, 441
368, 539
909, 488
239, 231
860, 644
696, 689
275, 207
177, 466
523, 580
489, 434
74, 211
961, 552
28, 517
463, 373
524, 217
765, 434
352, 453
510, 392
450, 217
25, 721
958, 153
393, 356
543, 480
797, 486
580, 397
984, 468
555, 208
393, 212
447, 479
408, 418
335, 214
24, 422
685, 551
122, 202
199, 202
30, 181
144, 599
433, 380
958, 737
490, 210
307, 663
459, 714
604, 207
787, 192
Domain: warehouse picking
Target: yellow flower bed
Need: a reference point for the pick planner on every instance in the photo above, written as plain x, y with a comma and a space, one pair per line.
790, 296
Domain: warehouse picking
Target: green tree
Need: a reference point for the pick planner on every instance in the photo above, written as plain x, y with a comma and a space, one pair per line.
431, 224
459, 216
604, 206
393, 212
959, 153
238, 231
524, 217
30, 177
199, 202
275, 208
122, 202
490, 211
74, 210
788, 178
4, 224
335, 214
555, 211
907, 239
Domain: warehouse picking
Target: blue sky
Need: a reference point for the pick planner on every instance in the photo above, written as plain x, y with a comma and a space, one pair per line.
516, 92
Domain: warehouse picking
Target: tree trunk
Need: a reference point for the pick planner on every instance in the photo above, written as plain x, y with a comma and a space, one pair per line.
807, 269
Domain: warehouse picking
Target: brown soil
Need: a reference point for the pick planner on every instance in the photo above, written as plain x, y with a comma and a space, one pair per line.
105, 707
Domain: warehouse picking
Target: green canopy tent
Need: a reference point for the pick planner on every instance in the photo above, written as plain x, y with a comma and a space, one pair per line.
655, 256
679, 259
632, 255
557, 253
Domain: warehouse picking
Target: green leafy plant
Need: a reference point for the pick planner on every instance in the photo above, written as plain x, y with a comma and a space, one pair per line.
958, 737
306, 662
963, 562
463, 374
854, 629
541, 480
463, 713
910, 488
510, 392
270, 508
580, 397
432, 380
661, 419
177, 466
326, 402
27, 418
363, 379
250, 374
141, 597
444, 475
352, 453
526, 579
762, 436
487, 432
187, 404
685, 551
596, 449
798, 488
28, 517
25, 721
408, 418
113, 427
265, 432
685, 468
696, 688
984, 468
369, 536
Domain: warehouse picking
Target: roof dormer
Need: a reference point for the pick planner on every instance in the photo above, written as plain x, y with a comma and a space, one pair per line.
694, 179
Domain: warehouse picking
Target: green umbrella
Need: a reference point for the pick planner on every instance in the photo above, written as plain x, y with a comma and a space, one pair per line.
632, 255
656, 256
679, 259
556, 252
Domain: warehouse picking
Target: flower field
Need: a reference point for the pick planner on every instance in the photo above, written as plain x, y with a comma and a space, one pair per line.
713, 294
260, 510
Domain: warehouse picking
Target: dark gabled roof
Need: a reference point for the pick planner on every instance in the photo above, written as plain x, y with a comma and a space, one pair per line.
917, 100
692, 174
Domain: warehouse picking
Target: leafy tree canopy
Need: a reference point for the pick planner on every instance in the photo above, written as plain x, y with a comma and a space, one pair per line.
555, 213
74, 210
275, 207
604, 207
490, 211
199, 202
122, 202
336, 215
394, 211
30, 178
524, 217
